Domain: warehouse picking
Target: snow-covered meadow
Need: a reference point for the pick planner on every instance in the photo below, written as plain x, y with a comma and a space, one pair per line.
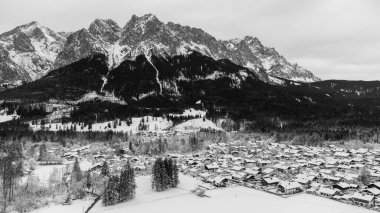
4, 117
153, 124
222, 200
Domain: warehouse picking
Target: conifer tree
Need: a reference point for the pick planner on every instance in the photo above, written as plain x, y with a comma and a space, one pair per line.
164, 176
76, 174
127, 185
132, 183
123, 185
111, 195
156, 176
105, 169
131, 147
88, 180
175, 174
43, 152
168, 163
19, 169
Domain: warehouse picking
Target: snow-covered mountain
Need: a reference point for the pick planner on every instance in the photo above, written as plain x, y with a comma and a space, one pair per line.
28, 52
274, 63
141, 35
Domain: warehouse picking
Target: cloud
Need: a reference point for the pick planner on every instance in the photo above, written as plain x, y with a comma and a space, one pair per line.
332, 38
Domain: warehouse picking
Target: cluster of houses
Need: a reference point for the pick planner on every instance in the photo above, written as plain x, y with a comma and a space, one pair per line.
349, 176
141, 164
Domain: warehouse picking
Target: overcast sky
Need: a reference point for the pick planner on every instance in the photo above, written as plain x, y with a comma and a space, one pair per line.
335, 39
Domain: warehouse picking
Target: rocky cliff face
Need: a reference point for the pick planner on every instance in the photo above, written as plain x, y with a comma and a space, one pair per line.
28, 52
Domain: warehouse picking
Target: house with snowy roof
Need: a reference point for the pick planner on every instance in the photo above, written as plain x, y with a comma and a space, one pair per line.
327, 192
212, 167
270, 181
363, 200
372, 191
288, 187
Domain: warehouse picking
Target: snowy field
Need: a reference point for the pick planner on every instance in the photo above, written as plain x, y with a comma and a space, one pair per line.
5, 117
226, 200
190, 112
43, 171
195, 125
154, 124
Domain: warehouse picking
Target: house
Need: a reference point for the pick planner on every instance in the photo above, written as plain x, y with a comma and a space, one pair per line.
372, 191
330, 179
268, 171
239, 177
262, 163
341, 186
204, 176
303, 182
270, 181
287, 187
282, 168
363, 200
374, 185
193, 172
220, 181
341, 155
328, 192
212, 167
238, 168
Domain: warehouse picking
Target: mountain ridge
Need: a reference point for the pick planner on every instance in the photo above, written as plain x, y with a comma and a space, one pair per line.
140, 35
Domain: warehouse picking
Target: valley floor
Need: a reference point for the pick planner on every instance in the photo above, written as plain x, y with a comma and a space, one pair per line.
231, 199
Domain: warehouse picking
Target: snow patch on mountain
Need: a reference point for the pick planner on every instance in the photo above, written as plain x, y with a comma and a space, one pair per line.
4, 117
154, 124
190, 112
95, 96
195, 125
149, 59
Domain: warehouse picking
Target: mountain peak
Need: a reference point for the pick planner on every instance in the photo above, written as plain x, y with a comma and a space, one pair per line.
252, 40
32, 23
139, 28
142, 20
149, 16
105, 29
103, 22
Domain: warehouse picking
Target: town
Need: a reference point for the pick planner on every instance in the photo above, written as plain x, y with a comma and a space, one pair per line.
350, 176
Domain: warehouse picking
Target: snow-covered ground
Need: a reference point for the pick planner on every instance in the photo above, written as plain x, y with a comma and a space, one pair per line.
94, 96
226, 200
195, 125
43, 171
5, 117
155, 124
190, 112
